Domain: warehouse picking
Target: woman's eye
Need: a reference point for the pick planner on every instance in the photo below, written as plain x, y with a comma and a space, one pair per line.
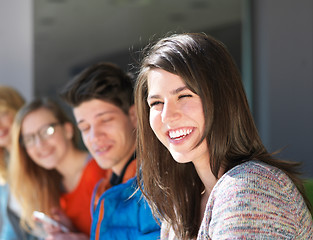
184, 95
155, 103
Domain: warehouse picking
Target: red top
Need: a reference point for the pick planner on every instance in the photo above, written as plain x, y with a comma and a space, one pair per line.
76, 204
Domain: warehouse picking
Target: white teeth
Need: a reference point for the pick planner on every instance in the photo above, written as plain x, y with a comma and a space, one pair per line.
180, 133
102, 149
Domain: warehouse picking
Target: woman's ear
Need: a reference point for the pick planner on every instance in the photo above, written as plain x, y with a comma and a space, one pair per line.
69, 130
133, 115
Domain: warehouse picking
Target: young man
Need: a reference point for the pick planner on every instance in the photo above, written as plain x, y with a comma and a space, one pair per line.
102, 101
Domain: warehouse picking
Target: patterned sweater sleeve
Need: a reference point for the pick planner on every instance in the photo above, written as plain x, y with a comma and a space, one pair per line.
256, 201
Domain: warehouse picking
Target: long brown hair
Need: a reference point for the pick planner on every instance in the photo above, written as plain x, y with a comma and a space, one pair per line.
35, 187
10, 100
204, 64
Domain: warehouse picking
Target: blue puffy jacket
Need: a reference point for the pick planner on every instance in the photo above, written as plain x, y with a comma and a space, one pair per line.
123, 213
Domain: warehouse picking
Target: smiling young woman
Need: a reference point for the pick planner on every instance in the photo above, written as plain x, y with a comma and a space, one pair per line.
49, 172
203, 167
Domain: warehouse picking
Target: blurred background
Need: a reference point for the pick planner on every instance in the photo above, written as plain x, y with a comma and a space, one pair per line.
44, 43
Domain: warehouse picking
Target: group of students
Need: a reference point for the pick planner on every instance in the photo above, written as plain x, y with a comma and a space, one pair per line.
173, 154
47, 172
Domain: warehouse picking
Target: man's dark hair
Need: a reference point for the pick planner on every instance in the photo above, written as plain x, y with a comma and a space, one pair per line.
103, 81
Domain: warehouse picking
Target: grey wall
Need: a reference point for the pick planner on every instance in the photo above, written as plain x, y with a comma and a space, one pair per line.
16, 45
72, 34
283, 77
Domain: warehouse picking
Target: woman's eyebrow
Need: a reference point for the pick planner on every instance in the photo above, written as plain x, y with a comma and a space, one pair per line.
178, 90
173, 92
153, 96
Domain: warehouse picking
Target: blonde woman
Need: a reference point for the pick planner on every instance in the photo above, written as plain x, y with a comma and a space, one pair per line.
10, 102
49, 172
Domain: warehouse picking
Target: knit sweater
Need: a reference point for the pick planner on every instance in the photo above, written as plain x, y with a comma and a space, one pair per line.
254, 201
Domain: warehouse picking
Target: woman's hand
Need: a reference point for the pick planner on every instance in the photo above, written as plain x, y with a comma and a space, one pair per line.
58, 226
58, 215
57, 233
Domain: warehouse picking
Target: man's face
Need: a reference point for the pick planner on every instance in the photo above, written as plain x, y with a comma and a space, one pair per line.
108, 133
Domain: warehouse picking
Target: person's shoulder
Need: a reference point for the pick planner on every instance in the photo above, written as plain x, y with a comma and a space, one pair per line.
255, 177
256, 170
259, 193
251, 176
123, 190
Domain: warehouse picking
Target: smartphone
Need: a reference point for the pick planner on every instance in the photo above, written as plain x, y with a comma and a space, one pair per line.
40, 220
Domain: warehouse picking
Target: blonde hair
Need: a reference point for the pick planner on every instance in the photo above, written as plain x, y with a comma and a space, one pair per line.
10, 100
35, 187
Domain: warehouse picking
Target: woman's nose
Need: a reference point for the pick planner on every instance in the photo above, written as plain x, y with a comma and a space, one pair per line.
170, 112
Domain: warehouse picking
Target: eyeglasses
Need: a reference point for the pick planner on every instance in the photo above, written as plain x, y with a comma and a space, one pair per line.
45, 132
4, 113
